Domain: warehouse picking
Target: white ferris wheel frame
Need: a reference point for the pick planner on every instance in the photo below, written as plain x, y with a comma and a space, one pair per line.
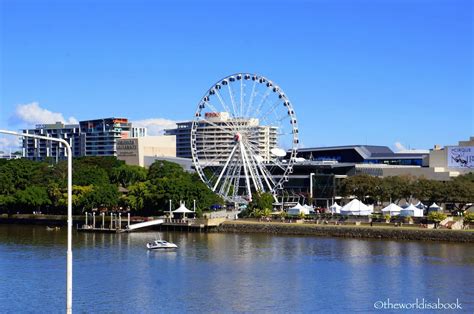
255, 171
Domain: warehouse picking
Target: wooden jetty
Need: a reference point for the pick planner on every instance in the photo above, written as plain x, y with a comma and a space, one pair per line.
116, 224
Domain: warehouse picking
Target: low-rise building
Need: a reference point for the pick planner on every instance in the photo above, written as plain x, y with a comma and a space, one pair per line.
137, 151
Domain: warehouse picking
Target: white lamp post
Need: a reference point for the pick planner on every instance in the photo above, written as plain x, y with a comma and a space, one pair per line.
311, 185
69, 210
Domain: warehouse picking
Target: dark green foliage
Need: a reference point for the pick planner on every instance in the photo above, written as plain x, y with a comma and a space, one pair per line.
168, 181
126, 175
262, 201
164, 169
28, 186
108, 163
89, 175
32, 198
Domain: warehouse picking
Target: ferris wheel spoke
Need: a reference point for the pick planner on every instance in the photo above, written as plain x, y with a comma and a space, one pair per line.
252, 97
217, 126
259, 167
231, 126
252, 169
263, 101
263, 169
246, 172
213, 148
231, 93
224, 105
232, 170
242, 95
270, 110
215, 160
225, 166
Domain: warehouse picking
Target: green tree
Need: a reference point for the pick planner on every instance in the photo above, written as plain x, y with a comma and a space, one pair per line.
436, 217
138, 193
361, 186
262, 201
106, 195
106, 163
89, 175
460, 191
127, 175
164, 169
468, 219
32, 198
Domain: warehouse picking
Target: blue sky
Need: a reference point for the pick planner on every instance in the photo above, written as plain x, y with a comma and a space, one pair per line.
357, 71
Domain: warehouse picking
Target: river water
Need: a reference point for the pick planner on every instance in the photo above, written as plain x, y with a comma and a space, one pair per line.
221, 273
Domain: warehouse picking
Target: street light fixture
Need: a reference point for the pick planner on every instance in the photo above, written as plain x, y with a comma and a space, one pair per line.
69, 209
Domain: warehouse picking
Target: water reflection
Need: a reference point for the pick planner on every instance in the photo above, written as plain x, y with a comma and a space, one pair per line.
213, 272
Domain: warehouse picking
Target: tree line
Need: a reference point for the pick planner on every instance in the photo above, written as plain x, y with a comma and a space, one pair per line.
458, 191
99, 182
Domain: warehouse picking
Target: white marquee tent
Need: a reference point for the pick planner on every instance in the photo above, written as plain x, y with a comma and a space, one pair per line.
434, 207
335, 208
309, 208
411, 211
356, 208
298, 209
392, 210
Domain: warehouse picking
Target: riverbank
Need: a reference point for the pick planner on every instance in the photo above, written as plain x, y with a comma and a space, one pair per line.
376, 232
49, 220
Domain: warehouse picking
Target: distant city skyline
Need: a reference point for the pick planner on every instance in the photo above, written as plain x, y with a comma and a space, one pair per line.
395, 73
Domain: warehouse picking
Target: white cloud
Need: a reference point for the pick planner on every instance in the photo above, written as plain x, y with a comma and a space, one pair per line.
9, 143
32, 113
399, 147
155, 126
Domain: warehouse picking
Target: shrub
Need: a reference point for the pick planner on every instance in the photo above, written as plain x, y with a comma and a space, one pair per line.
469, 218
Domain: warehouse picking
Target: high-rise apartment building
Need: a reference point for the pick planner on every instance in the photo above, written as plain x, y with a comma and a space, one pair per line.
37, 149
217, 136
183, 138
88, 138
99, 137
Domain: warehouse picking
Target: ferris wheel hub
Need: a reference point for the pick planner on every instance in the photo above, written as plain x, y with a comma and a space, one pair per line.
238, 137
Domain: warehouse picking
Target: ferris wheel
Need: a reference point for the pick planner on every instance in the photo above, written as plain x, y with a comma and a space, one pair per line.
244, 137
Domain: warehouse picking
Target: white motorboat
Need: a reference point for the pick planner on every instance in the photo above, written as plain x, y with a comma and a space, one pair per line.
160, 245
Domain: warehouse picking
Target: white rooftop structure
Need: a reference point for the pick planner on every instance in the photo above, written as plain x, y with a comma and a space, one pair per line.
335, 208
392, 210
411, 211
356, 208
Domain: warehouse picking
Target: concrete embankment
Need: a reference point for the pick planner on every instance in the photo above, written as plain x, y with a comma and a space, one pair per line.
49, 220
392, 233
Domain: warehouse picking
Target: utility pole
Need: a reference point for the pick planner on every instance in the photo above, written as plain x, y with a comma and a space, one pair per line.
69, 209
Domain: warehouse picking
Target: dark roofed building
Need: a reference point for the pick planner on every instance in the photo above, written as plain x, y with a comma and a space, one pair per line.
366, 154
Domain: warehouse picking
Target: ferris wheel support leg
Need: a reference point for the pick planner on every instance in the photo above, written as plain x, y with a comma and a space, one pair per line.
247, 180
258, 184
224, 168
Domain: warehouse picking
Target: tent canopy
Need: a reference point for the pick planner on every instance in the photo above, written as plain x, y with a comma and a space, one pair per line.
335, 208
420, 205
182, 209
336, 205
392, 209
298, 209
412, 211
356, 207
